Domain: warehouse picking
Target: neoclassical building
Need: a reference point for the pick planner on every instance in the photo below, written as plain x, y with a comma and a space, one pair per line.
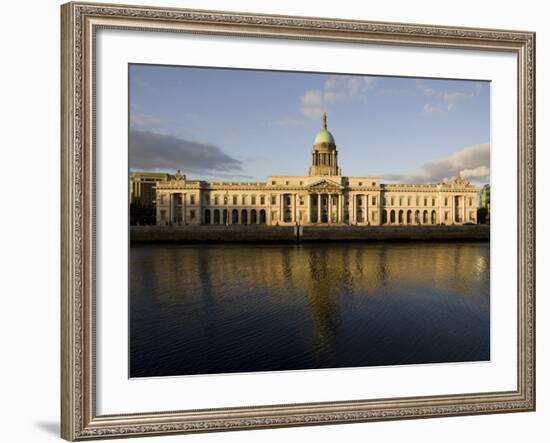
324, 196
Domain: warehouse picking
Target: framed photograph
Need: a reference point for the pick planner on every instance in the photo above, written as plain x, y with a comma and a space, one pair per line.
277, 221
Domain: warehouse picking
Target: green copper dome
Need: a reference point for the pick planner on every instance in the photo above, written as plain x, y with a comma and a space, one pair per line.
324, 135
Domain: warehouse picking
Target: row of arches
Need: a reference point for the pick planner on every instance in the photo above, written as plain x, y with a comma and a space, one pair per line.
237, 217
409, 217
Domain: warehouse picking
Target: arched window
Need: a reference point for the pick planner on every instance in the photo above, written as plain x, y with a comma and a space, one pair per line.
262, 217
392, 217
434, 218
409, 217
216, 216
253, 217
244, 217
400, 218
425, 218
234, 217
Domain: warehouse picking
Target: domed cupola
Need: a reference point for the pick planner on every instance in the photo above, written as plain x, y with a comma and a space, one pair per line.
324, 159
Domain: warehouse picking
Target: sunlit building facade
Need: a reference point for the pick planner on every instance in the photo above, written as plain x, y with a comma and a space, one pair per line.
324, 196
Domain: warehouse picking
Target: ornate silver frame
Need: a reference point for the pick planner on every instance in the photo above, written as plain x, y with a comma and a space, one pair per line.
80, 21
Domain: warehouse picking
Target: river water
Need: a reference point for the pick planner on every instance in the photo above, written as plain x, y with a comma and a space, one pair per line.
204, 309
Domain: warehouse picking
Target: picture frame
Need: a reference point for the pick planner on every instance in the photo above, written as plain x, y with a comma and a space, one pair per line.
80, 24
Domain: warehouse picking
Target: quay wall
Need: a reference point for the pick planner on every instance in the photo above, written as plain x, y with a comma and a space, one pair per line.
259, 233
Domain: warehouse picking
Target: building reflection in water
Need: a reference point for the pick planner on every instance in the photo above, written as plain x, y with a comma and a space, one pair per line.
241, 308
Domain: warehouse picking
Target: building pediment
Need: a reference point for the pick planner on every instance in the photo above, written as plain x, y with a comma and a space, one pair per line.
325, 185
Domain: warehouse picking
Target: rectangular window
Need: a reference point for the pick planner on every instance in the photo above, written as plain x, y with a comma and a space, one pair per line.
162, 199
234, 199
446, 202
392, 201
360, 183
374, 201
273, 199
192, 214
253, 199
425, 201
417, 201
192, 199
273, 182
262, 200
215, 199
446, 215
433, 201
288, 201
408, 201
400, 201
207, 199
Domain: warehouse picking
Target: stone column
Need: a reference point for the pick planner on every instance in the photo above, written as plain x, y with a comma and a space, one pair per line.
453, 208
318, 208
329, 208
464, 208
353, 209
281, 206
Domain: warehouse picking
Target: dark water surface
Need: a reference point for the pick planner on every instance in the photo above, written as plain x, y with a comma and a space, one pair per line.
203, 309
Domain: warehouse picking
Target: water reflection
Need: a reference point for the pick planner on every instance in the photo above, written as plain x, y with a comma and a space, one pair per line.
233, 308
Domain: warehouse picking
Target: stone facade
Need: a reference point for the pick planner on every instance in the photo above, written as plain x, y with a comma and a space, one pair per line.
323, 197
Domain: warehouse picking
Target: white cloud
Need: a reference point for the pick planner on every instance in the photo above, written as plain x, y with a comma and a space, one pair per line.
470, 163
429, 109
453, 99
311, 103
479, 172
336, 89
443, 101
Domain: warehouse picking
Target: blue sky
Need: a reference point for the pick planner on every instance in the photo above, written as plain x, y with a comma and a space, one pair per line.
231, 124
